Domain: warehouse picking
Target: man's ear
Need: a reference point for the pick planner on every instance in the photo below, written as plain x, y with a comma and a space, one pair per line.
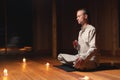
86, 16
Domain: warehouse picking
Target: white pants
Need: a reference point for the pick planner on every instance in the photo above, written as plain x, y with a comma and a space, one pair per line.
70, 59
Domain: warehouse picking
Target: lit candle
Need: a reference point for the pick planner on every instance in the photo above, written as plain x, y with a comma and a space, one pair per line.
24, 60
84, 78
47, 66
5, 72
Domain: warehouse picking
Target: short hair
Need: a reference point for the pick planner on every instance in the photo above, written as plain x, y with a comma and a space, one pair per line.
85, 11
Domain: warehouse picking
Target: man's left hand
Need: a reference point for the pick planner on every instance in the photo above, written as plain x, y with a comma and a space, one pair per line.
78, 63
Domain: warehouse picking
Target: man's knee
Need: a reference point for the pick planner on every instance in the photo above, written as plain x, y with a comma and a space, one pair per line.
59, 56
88, 66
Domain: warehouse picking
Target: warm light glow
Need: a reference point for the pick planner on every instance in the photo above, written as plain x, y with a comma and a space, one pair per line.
28, 48
24, 60
47, 66
3, 49
84, 78
23, 66
5, 72
5, 78
22, 49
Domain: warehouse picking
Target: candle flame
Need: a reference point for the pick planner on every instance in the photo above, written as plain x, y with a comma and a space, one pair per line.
84, 78
47, 64
24, 60
5, 72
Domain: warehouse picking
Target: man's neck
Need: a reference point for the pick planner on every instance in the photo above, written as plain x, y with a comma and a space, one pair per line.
84, 25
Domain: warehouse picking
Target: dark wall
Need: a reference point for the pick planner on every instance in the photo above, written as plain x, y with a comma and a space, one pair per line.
19, 20
16, 20
2, 28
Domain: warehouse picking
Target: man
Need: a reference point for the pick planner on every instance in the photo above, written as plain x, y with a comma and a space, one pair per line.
85, 59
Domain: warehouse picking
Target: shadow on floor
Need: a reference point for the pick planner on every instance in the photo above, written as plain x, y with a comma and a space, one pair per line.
100, 68
108, 67
103, 66
65, 67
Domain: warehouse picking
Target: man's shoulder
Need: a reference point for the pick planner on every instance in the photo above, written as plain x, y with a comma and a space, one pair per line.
90, 27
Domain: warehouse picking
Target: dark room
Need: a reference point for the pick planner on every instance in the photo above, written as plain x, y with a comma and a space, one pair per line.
59, 39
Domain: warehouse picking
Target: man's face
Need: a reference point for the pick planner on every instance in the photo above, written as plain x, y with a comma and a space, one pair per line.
81, 17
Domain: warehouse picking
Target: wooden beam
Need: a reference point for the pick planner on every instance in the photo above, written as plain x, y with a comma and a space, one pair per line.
54, 30
115, 25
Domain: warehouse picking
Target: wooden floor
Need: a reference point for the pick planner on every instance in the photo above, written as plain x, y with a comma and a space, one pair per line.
36, 69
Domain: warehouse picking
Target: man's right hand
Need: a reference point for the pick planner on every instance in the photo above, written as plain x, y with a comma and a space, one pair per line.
75, 43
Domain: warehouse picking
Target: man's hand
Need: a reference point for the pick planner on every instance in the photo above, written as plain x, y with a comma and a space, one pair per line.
75, 43
78, 63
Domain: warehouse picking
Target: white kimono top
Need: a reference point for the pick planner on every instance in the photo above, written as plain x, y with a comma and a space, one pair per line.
86, 41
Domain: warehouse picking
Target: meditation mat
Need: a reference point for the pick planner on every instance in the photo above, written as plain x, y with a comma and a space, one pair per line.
65, 67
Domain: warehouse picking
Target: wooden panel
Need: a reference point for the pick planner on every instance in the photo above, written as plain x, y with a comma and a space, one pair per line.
42, 25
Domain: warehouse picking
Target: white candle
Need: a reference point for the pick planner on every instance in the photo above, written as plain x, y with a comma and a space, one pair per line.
5, 72
86, 78
47, 66
24, 60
